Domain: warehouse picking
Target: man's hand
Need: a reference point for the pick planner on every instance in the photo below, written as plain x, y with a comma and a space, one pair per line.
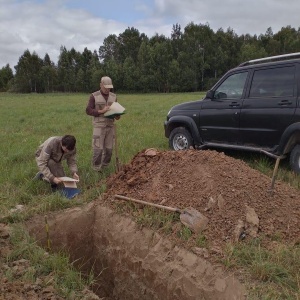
75, 176
57, 180
104, 110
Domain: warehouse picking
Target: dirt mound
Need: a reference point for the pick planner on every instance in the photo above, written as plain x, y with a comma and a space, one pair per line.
234, 197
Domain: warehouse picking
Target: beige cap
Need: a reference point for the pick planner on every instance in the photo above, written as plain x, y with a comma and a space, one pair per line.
107, 83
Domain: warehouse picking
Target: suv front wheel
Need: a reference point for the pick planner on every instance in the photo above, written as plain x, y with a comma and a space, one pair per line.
180, 139
295, 159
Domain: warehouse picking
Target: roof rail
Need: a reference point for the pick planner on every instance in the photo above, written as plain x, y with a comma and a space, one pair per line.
270, 58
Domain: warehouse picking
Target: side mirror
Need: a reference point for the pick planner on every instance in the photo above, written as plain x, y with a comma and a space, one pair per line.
210, 94
220, 95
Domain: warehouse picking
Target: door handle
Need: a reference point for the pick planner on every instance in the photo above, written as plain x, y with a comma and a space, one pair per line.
234, 104
285, 102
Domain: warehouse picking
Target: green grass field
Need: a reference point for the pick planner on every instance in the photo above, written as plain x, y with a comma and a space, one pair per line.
27, 120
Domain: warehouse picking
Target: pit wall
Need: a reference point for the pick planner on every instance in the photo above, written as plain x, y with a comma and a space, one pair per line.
130, 263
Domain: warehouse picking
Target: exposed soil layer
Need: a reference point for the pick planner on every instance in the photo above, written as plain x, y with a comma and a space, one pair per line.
130, 263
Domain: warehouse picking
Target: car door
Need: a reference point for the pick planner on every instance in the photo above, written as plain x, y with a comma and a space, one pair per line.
219, 116
269, 107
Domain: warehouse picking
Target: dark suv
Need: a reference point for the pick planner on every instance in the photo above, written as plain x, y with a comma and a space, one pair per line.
253, 107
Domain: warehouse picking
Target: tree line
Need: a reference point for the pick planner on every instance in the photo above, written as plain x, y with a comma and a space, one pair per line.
190, 60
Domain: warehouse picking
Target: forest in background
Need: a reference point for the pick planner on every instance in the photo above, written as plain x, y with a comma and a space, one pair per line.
192, 59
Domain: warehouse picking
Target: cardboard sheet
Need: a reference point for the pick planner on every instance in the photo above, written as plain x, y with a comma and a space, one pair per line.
69, 182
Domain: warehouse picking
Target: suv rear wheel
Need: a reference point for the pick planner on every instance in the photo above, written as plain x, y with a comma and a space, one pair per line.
295, 159
180, 139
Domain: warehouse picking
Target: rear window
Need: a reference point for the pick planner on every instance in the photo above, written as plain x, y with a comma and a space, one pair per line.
273, 82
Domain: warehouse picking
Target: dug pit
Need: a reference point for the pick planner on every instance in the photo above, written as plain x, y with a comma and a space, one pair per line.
131, 262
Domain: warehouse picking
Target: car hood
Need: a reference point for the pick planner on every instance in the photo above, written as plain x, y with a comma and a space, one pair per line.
187, 105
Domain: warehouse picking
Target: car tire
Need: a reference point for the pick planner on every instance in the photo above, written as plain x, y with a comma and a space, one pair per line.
295, 159
180, 139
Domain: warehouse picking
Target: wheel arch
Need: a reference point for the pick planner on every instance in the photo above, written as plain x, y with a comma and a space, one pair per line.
295, 159
289, 139
186, 122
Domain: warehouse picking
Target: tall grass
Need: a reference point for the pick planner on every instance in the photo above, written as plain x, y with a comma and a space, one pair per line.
27, 120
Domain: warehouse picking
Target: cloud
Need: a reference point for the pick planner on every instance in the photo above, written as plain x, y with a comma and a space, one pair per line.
253, 17
44, 26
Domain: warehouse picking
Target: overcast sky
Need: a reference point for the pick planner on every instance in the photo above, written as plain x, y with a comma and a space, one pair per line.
45, 25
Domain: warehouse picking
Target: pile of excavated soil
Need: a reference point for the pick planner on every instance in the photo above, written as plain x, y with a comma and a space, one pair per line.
235, 198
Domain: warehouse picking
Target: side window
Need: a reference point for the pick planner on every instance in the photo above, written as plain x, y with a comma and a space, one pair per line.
273, 82
232, 87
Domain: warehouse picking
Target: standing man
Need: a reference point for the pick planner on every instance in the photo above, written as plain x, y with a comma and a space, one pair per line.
49, 157
103, 128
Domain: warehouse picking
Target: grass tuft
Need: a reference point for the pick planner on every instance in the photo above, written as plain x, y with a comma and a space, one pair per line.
276, 270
